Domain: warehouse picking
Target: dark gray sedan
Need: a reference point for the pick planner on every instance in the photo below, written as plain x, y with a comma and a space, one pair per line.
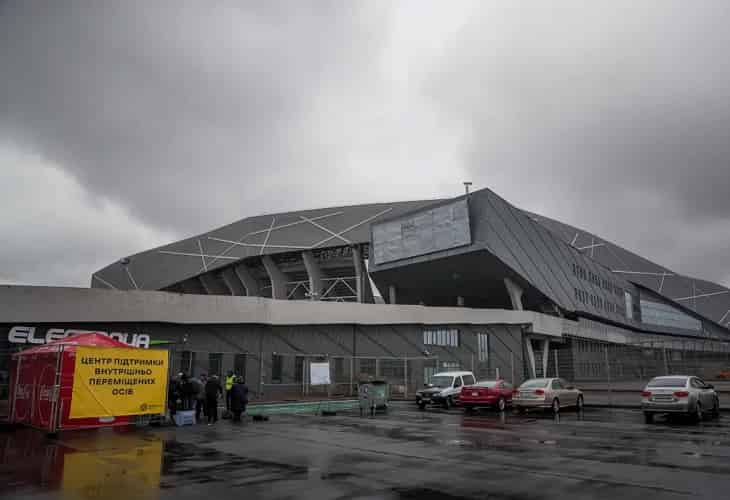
679, 394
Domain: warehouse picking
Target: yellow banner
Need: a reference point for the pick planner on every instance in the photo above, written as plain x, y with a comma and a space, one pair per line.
111, 382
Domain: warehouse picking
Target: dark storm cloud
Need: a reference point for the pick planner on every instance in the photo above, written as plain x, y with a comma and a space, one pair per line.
613, 118
174, 117
184, 112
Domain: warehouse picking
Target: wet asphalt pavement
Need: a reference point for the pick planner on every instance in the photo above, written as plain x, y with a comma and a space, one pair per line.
406, 454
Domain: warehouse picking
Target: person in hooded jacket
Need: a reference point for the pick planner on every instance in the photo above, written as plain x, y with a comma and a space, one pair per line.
239, 398
213, 390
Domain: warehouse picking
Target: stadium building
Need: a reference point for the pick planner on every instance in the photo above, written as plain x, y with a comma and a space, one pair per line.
395, 290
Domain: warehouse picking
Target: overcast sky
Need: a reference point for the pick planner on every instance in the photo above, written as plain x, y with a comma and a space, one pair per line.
126, 125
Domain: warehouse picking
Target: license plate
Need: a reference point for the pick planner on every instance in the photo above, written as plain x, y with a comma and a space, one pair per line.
474, 393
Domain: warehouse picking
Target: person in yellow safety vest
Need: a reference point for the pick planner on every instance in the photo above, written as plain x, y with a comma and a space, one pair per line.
230, 380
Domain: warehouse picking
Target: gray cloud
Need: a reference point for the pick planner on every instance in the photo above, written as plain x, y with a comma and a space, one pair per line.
182, 116
612, 118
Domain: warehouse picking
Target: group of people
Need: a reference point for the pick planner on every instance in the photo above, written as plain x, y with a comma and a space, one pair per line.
202, 394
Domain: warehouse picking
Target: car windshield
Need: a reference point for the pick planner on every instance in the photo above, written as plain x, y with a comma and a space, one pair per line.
668, 382
441, 381
538, 382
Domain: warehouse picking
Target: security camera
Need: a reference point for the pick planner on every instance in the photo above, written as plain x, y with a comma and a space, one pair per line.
124, 261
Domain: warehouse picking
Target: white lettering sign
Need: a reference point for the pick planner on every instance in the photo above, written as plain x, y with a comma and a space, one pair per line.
29, 335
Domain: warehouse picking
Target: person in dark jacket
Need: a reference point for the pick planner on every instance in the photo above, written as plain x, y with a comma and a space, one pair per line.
213, 390
239, 398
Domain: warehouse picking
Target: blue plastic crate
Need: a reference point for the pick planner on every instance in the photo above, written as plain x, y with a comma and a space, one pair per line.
186, 417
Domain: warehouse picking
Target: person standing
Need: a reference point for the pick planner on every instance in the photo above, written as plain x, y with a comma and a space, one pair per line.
239, 398
213, 390
199, 387
230, 380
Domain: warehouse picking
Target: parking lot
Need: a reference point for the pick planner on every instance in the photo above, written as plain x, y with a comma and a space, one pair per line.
407, 453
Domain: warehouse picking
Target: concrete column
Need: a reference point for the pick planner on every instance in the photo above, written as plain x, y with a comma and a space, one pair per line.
545, 353
250, 283
360, 274
515, 294
277, 277
315, 275
391, 294
460, 301
530, 357
235, 286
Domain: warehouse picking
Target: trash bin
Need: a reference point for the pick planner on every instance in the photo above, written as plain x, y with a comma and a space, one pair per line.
373, 396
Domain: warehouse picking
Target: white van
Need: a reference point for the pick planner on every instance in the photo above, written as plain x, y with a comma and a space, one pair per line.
444, 389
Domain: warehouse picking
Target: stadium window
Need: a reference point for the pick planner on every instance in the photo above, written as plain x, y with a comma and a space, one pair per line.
215, 363
629, 305
239, 365
298, 368
483, 346
276, 368
187, 361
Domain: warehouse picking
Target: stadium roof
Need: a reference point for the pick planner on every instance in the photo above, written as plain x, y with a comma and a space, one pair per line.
165, 266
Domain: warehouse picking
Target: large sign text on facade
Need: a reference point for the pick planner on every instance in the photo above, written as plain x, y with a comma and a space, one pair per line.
33, 335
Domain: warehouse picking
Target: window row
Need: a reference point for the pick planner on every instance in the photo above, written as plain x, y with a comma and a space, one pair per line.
659, 314
443, 337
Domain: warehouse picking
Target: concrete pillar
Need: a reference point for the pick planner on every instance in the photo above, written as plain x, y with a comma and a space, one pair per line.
277, 277
545, 353
460, 301
391, 294
360, 273
250, 283
235, 286
315, 275
515, 294
530, 358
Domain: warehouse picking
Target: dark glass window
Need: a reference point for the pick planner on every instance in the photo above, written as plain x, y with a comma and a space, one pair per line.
215, 363
277, 362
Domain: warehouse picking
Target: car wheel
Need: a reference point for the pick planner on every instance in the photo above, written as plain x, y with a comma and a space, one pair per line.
448, 403
421, 406
716, 409
468, 409
579, 403
698, 412
501, 404
556, 406
648, 417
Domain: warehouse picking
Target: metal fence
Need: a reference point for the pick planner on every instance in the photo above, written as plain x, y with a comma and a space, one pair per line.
290, 375
617, 364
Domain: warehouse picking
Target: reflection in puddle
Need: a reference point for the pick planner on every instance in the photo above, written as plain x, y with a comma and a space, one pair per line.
124, 464
109, 464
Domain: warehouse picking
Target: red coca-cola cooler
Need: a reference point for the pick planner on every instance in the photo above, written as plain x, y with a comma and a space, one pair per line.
41, 385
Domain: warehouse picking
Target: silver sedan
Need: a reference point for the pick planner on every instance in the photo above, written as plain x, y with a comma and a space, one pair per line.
679, 394
552, 393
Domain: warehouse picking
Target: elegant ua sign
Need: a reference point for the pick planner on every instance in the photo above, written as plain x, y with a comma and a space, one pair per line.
33, 335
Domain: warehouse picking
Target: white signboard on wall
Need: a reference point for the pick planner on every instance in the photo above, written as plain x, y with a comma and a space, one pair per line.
319, 373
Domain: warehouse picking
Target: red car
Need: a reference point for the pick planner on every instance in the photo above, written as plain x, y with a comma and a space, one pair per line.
493, 393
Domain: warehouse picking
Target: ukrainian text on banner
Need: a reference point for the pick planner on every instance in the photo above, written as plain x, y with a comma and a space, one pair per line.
110, 382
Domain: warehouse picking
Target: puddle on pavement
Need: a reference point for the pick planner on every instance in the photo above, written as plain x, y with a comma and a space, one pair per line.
121, 464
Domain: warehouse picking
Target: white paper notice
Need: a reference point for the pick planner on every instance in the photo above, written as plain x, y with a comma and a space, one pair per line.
319, 373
